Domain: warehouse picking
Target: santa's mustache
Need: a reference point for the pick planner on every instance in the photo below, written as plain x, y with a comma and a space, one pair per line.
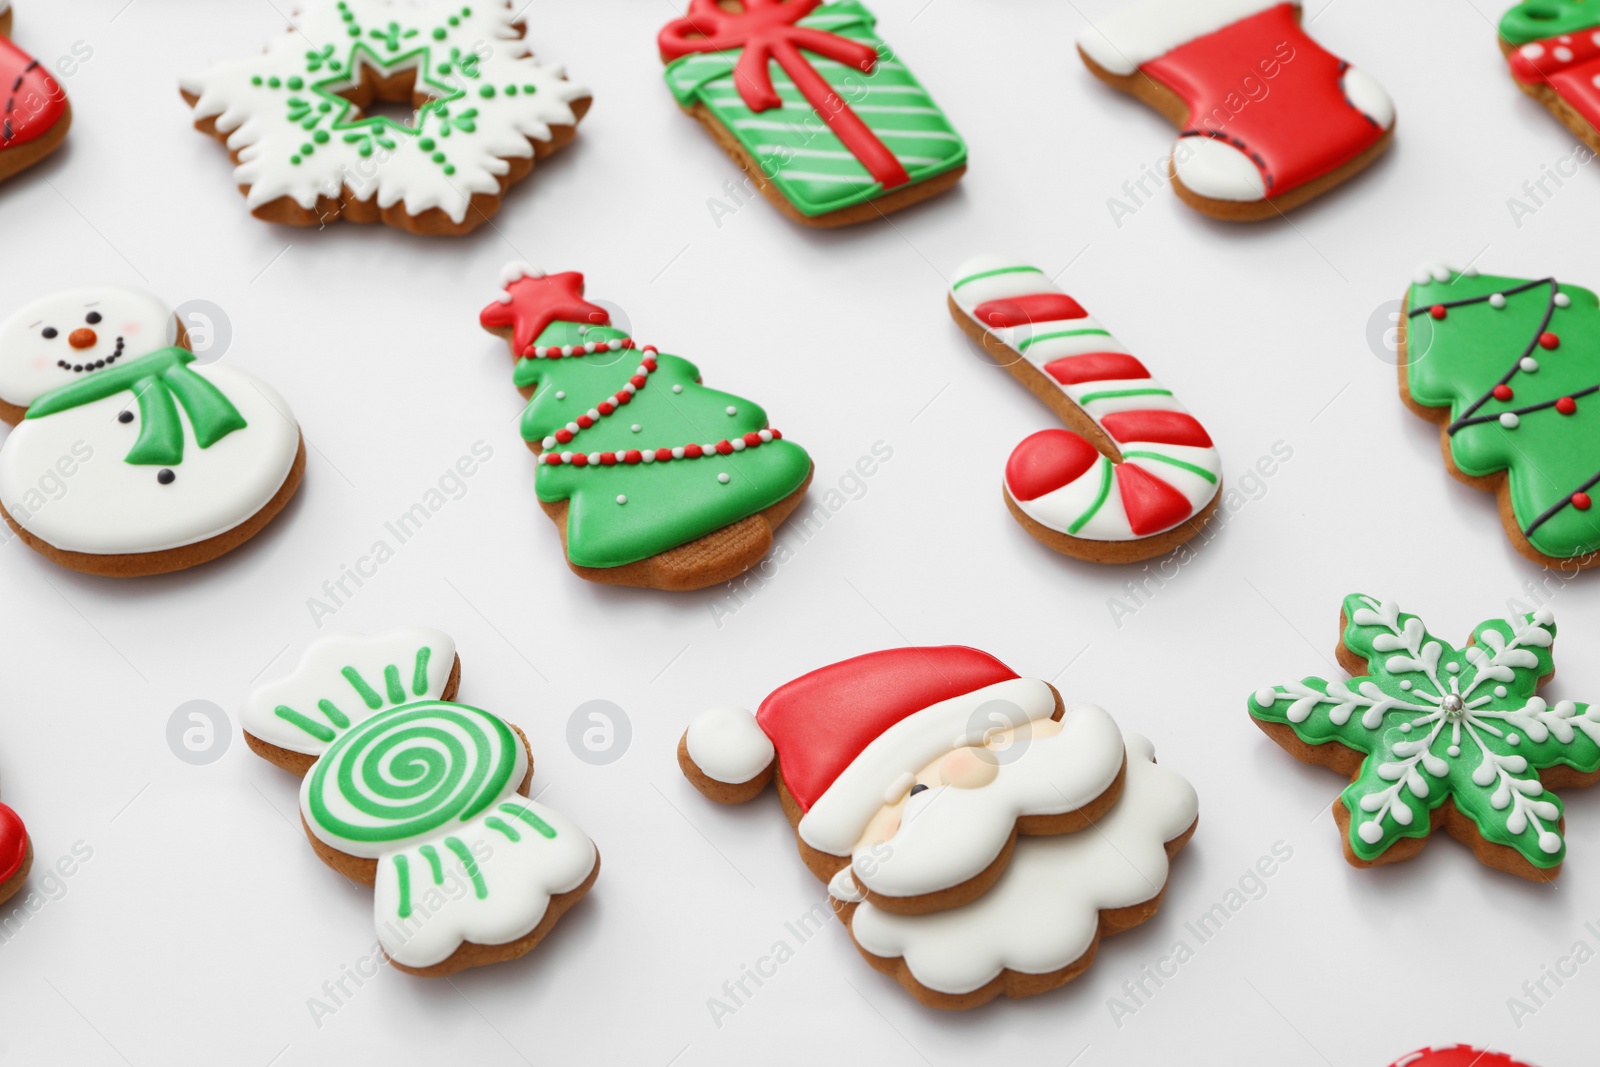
948, 835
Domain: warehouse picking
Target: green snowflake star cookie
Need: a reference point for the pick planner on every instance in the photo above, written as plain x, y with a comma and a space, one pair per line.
1432, 736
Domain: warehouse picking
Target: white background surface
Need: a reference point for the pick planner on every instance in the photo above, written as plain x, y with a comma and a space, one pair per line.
203, 923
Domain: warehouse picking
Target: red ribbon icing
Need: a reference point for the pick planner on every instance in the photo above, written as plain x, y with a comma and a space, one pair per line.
766, 30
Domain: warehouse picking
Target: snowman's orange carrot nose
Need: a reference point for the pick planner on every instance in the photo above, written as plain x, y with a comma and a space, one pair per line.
82, 337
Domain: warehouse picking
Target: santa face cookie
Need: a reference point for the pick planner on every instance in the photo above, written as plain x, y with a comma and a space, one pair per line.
937, 793
421, 798
823, 116
34, 112
16, 853
293, 116
127, 458
1268, 118
652, 478
1554, 55
911, 772
1135, 475
1507, 367
1433, 737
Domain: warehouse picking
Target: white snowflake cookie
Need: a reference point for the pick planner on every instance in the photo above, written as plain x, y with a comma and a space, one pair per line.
295, 118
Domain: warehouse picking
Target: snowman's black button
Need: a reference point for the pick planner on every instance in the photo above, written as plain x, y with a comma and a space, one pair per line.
125, 416
165, 477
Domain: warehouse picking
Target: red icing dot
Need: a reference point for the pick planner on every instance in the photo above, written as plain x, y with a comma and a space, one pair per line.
586, 422
663, 455
632, 455
725, 447
637, 381
1549, 340
752, 439
1438, 311
1566, 405
579, 459
1581, 501
563, 435
608, 459
692, 451
776, 436
606, 408
1502, 392
624, 397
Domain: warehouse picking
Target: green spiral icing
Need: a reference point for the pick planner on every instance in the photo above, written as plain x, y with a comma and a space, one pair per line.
411, 771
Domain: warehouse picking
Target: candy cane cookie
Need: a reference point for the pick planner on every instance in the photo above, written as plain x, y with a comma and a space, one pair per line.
1134, 475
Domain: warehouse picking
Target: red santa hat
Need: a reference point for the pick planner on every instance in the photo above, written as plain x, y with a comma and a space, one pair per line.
847, 734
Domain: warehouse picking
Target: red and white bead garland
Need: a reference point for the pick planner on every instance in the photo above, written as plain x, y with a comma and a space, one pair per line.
647, 367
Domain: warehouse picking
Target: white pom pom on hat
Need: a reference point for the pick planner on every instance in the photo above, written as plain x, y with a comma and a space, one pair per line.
728, 746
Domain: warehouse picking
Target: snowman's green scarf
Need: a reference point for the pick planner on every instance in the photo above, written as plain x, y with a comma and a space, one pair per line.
162, 382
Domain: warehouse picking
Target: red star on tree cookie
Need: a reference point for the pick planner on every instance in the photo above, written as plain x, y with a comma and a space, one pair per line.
531, 303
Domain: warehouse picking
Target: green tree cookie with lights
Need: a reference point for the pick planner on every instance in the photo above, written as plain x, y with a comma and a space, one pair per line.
655, 479
1433, 736
1510, 368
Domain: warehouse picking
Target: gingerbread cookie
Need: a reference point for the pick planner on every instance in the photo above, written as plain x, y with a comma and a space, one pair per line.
938, 795
128, 458
16, 852
822, 115
1456, 1056
652, 478
1267, 117
421, 798
1433, 737
1554, 55
1136, 475
34, 112
294, 117
1508, 368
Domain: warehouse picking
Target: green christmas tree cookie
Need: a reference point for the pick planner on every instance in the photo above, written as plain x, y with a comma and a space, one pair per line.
1509, 368
654, 479
1433, 736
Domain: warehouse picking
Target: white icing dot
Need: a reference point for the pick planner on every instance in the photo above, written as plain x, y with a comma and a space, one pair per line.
677, 388
1453, 668
1470, 272
1595, 37
1497, 301
1405, 683
1266, 696
1499, 690
732, 410
723, 478
1533, 51
1454, 750
1509, 420
621, 499
1595, 81
1549, 842
1441, 273
1405, 728
1563, 54
636, 427
1513, 739
1528, 364
1544, 617
561, 394
1371, 832
1562, 299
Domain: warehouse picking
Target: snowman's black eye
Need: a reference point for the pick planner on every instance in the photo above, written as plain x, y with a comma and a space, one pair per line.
49, 332
92, 318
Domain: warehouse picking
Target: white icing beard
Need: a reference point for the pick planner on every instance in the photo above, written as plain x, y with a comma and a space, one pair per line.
1044, 912
948, 833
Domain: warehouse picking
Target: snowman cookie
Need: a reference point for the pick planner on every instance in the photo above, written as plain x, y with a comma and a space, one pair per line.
16, 853
127, 458
295, 116
976, 834
34, 112
1136, 475
423, 799
1267, 117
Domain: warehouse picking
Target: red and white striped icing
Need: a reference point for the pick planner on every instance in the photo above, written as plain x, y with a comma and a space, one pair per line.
1169, 470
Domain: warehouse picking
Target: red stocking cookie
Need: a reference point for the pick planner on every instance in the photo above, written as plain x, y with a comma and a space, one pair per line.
34, 113
1269, 118
1554, 52
937, 794
1136, 475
